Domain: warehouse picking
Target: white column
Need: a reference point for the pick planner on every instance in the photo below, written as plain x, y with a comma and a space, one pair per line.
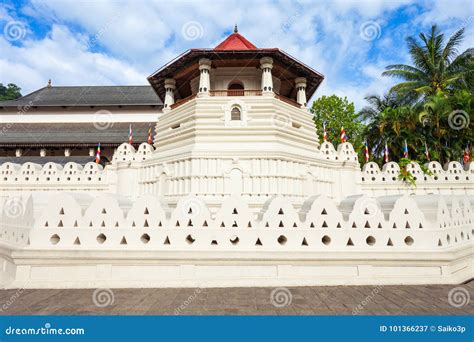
204, 79
67, 152
300, 83
91, 152
18, 152
266, 64
43, 152
170, 86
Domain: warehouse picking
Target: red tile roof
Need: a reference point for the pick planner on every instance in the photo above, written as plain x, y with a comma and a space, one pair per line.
235, 42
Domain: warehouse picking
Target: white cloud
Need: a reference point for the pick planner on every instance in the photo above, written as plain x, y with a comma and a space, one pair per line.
443, 10
63, 58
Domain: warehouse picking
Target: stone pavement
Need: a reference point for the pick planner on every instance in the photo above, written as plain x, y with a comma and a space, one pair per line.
320, 300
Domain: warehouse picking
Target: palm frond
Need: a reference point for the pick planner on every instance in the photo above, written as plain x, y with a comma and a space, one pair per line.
450, 50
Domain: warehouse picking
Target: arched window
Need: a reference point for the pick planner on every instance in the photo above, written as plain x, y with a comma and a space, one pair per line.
235, 85
235, 114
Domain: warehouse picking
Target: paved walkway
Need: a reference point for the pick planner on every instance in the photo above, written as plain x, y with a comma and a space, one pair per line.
325, 300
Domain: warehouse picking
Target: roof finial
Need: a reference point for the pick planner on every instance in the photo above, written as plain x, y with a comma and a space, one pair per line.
235, 29
49, 83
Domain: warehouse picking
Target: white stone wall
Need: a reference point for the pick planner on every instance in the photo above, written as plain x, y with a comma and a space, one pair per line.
28, 177
103, 116
453, 179
65, 221
77, 240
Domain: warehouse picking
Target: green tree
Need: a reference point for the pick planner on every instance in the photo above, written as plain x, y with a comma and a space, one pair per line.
390, 125
436, 65
10, 92
434, 114
337, 112
441, 121
448, 123
432, 106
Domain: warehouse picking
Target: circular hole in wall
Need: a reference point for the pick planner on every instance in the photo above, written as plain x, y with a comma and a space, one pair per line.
409, 241
54, 239
282, 239
326, 240
101, 238
145, 238
370, 240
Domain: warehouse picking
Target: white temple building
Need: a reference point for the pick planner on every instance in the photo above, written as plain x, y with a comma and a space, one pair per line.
236, 190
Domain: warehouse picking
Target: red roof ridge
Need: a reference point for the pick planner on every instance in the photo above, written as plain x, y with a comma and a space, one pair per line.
236, 42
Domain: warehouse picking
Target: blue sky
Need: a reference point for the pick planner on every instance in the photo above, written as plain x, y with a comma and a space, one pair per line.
121, 43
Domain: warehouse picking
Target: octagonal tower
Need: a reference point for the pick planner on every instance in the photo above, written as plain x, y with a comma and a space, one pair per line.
235, 122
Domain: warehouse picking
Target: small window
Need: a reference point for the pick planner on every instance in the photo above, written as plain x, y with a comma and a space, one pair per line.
235, 114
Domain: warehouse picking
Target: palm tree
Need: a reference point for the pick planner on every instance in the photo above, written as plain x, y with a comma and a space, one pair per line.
437, 66
377, 104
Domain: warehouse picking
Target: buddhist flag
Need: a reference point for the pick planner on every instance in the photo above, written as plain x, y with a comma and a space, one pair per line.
325, 134
385, 153
466, 158
150, 138
427, 152
130, 135
405, 150
343, 135
366, 152
97, 155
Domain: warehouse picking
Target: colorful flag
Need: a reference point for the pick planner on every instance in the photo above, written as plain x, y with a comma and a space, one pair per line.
97, 155
405, 150
150, 138
385, 154
427, 152
466, 158
343, 135
366, 152
325, 134
130, 135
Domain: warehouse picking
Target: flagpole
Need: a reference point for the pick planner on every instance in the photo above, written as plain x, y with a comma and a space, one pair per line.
150, 138
343, 135
97, 155
367, 156
386, 155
